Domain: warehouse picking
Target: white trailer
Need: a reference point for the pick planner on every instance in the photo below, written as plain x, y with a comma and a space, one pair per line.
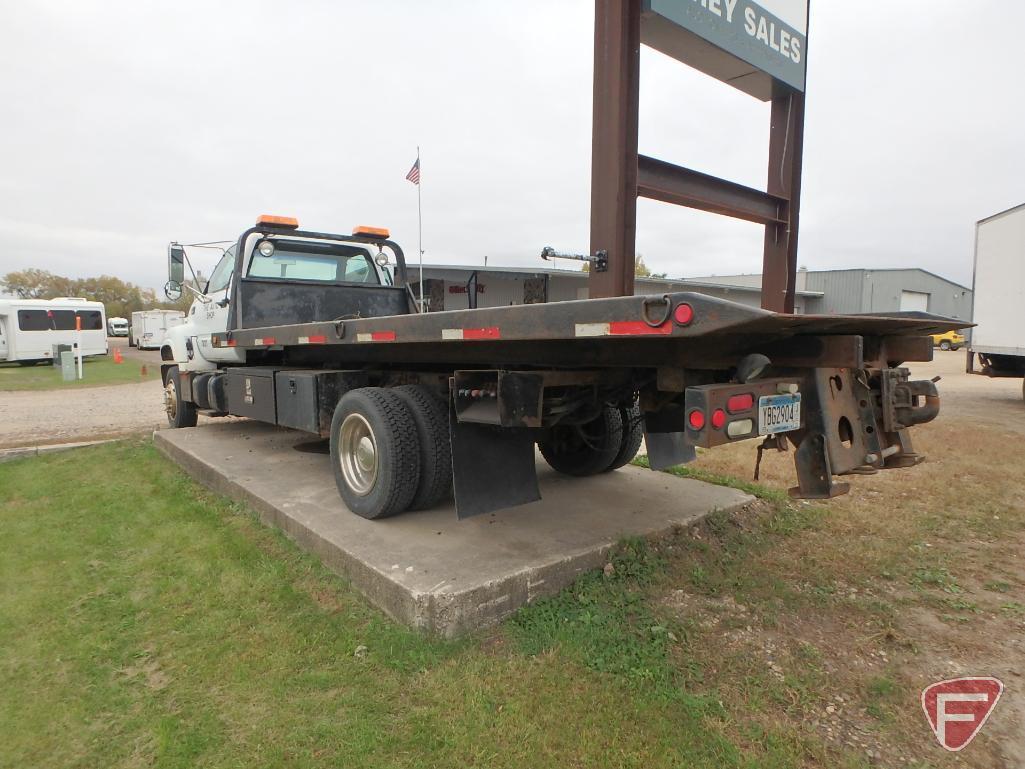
29, 328
117, 327
149, 326
998, 296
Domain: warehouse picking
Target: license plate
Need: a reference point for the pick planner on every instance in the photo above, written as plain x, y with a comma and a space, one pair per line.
779, 413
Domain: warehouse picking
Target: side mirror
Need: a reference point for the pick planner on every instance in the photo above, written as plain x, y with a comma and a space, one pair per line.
173, 291
176, 264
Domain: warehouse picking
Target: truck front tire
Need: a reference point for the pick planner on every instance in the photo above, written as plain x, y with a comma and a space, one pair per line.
431, 417
586, 449
180, 413
375, 452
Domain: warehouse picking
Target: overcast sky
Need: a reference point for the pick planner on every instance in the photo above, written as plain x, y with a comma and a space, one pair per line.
130, 124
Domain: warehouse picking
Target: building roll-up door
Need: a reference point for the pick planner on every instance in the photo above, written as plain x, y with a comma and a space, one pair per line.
914, 300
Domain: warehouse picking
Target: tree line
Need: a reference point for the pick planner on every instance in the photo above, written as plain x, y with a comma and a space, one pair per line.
119, 297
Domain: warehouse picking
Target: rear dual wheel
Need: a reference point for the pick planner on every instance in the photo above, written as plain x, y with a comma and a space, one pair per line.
431, 417
633, 434
606, 443
390, 450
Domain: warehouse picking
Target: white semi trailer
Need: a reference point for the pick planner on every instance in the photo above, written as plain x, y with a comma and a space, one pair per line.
30, 328
998, 296
149, 327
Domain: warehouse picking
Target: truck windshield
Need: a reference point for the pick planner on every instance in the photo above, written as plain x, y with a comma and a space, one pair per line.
221, 275
314, 262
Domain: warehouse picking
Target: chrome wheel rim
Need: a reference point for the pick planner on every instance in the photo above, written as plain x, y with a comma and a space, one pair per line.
170, 400
357, 454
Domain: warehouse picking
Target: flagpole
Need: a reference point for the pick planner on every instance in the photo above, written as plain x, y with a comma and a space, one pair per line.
420, 226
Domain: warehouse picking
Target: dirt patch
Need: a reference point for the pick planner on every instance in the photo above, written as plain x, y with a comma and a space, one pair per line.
147, 671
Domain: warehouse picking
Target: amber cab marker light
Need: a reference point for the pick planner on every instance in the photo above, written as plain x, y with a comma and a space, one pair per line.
285, 222
372, 232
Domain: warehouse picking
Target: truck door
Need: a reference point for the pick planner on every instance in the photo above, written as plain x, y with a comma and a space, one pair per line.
212, 317
3, 339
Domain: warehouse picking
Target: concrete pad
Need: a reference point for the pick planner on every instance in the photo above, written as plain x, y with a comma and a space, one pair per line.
429, 569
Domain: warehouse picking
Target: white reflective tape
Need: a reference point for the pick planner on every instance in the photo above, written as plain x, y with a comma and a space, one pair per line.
258, 342
451, 333
304, 340
364, 337
592, 329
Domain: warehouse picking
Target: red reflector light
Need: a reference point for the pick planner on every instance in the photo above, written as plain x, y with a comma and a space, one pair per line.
738, 403
696, 419
718, 419
683, 314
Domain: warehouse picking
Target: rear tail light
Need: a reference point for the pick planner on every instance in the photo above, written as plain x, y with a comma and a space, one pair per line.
696, 419
737, 403
718, 419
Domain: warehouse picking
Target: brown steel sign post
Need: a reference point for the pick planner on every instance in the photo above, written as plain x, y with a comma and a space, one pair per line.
759, 48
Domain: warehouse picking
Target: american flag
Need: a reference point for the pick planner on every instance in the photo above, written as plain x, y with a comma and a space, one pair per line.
414, 172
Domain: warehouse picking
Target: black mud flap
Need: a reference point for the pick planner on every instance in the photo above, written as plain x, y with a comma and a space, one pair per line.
492, 467
666, 438
668, 449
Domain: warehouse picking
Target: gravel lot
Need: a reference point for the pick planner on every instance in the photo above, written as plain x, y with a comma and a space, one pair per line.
995, 402
57, 416
38, 418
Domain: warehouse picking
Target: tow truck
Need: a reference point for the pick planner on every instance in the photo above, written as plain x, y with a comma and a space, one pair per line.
320, 332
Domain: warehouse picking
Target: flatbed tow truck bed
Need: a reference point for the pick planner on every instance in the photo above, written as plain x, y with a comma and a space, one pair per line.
592, 331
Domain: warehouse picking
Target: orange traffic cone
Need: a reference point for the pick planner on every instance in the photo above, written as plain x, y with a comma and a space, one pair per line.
117, 355
144, 372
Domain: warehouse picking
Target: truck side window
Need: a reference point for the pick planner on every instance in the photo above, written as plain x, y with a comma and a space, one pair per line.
358, 269
221, 275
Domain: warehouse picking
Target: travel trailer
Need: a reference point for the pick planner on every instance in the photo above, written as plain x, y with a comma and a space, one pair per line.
31, 328
117, 327
149, 326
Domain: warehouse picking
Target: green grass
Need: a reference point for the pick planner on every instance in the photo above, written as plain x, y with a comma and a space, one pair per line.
95, 372
775, 496
153, 623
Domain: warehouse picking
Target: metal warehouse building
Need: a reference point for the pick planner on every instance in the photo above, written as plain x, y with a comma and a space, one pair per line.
450, 287
865, 290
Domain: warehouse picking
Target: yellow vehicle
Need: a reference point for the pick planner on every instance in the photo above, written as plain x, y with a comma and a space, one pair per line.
952, 340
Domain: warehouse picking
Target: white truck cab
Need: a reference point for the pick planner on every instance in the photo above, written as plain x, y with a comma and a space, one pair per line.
268, 259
